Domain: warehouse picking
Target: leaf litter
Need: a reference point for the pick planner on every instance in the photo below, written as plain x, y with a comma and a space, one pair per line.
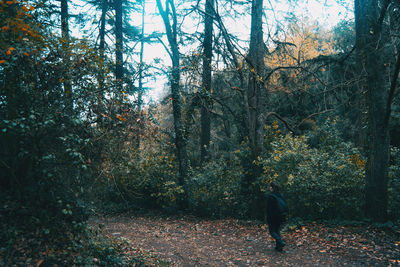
189, 241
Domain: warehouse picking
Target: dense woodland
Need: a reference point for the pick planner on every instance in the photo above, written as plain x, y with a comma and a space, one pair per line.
316, 109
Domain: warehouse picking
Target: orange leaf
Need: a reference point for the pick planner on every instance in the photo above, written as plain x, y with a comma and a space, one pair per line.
2, 61
26, 54
39, 263
4, 28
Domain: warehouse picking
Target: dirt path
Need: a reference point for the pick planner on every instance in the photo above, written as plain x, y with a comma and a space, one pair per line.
191, 242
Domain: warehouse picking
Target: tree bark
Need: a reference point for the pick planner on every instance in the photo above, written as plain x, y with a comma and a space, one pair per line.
206, 88
370, 42
255, 86
64, 20
102, 34
119, 68
141, 68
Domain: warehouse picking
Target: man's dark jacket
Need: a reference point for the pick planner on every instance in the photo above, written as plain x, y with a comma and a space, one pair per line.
273, 214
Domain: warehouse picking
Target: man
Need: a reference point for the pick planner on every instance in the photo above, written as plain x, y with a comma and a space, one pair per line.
276, 212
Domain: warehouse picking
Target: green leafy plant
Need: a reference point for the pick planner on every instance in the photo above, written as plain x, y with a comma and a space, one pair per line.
321, 180
394, 184
214, 189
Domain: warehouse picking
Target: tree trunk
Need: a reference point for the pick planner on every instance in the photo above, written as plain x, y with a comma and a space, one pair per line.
177, 114
141, 66
102, 34
65, 45
206, 88
255, 86
370, 42
180, 142
140, 93
119, 69
64, 20
254, 105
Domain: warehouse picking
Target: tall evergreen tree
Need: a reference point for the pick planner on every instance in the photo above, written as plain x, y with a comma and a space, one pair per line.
169, 13
65, 47
119, 61
141, 63
371, 41
102, 35
255, 85
206, 75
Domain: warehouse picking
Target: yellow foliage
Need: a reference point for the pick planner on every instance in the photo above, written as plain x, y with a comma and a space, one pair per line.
356, 160
121, 118
9, 51
304, 41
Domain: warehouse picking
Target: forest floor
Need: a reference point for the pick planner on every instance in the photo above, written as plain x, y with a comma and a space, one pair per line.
189, 241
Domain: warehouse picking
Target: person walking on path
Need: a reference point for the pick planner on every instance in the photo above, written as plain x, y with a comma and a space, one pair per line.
276, 213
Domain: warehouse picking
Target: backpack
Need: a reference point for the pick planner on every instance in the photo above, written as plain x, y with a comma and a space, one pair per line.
282, 205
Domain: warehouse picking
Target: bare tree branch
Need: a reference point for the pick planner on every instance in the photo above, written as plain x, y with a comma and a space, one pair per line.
314, 114
269, 114
383, 12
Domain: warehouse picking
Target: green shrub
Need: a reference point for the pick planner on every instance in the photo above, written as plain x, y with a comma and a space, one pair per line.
394, 184
214, 189
325, 180
140, 179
